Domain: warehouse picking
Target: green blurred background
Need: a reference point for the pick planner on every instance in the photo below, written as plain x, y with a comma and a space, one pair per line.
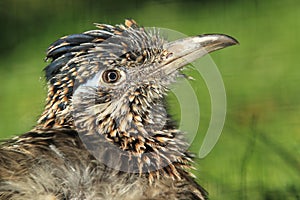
258, 154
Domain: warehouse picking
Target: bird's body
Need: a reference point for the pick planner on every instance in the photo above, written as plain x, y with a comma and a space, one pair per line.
105, 132
52, 164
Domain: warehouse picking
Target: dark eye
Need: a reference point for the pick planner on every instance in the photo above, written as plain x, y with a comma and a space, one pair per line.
111, 76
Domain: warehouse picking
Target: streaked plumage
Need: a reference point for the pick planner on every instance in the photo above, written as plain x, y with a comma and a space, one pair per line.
105, 132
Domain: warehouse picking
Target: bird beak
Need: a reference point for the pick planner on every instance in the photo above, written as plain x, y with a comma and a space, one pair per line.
186, 50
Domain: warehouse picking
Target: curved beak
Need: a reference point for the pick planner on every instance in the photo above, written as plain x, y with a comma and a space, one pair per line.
186, 50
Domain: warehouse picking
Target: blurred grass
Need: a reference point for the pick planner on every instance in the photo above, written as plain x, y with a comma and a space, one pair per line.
258, 154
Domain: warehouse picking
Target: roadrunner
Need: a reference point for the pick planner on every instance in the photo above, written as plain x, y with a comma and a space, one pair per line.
105, 132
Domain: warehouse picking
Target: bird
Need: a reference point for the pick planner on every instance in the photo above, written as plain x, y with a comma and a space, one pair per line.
105, 132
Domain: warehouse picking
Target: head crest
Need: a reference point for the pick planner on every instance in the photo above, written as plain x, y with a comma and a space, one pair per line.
63, 50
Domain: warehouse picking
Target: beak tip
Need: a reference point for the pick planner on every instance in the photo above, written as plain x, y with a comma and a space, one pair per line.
232, 40
225, 39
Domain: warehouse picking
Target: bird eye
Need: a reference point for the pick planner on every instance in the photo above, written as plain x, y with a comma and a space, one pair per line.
111, 76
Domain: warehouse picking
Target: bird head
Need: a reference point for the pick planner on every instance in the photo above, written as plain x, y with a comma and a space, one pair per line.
110, 84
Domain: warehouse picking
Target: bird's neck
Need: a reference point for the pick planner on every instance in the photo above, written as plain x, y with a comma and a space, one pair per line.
131, 136
138, 140
57, 110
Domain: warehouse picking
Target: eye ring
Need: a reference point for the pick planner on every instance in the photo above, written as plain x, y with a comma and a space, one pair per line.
111, 76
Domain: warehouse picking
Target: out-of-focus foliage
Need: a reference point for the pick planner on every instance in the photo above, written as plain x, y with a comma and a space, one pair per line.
258, 154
